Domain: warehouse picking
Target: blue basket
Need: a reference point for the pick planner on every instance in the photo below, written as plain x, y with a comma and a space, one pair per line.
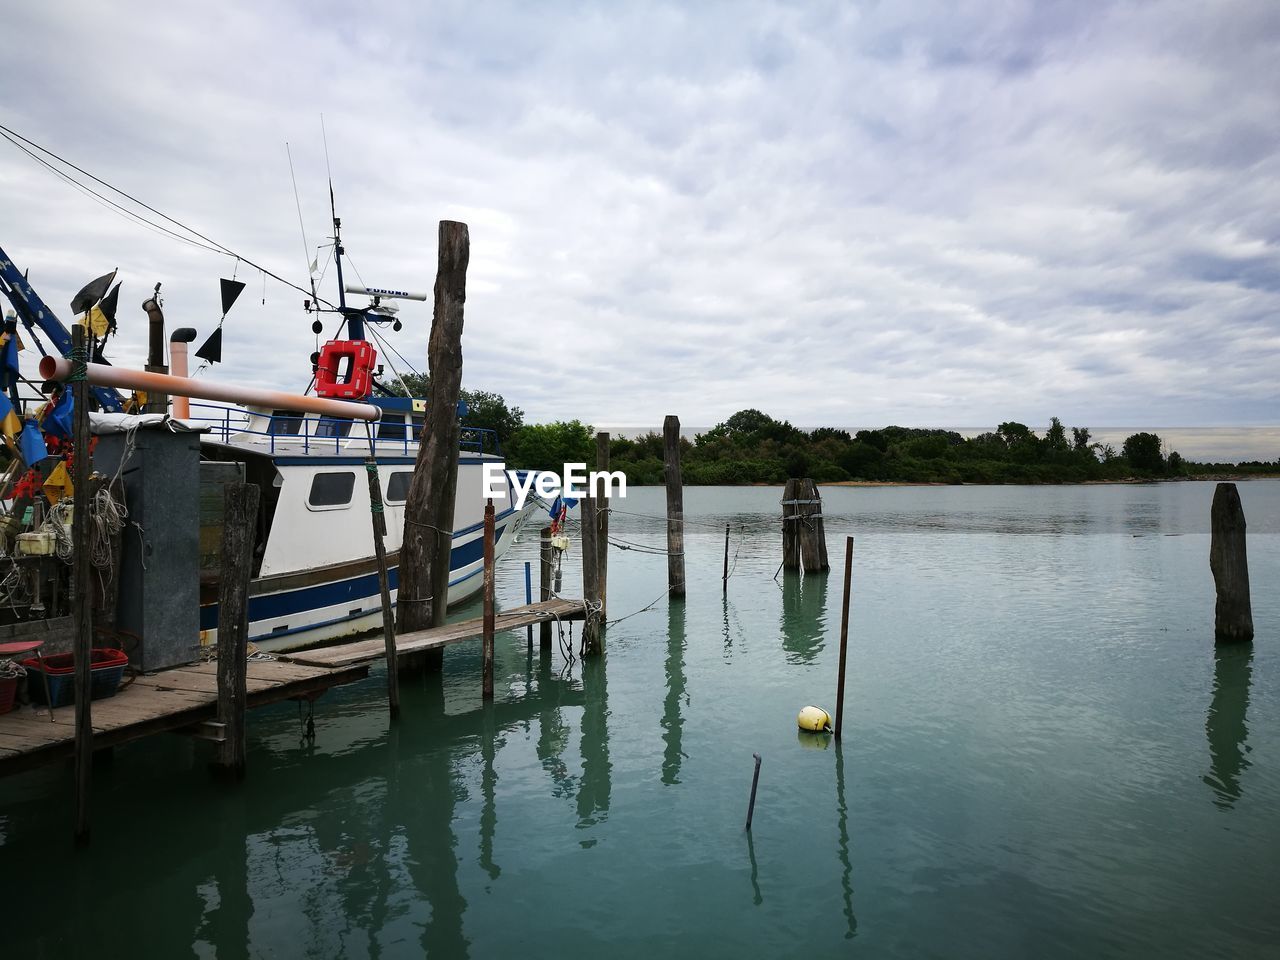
104, 681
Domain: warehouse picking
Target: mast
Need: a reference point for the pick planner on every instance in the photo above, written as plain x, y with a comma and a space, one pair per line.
354, 318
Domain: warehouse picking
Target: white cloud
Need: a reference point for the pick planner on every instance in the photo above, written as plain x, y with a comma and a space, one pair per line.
847, 214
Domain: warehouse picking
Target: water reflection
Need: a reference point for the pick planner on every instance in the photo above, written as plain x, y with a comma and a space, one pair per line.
675, 702
488, 782
804, 616
593, 795
846, 872
1225, 725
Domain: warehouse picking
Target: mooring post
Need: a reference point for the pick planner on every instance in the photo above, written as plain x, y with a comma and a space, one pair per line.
602, 520
487, 647
726, 559
82, 611
528, 599
790, 526
755, 780
544, 585
384, 586
240, 519
1228, 559
675, 505
813, 539
591, 644
428, 510
844, 631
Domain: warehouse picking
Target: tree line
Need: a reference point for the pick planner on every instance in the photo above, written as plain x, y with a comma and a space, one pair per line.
753, 447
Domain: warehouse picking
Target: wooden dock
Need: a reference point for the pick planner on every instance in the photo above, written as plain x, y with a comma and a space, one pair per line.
183, 699
366, 651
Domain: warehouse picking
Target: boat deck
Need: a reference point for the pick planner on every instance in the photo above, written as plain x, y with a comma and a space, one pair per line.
180, 699
366, 651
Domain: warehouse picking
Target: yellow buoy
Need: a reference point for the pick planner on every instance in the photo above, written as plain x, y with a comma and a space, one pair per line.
814, 718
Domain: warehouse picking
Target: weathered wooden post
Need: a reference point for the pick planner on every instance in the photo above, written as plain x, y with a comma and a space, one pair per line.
813, 539
844, 631
384, 586
82, 612
602, 517
239, 522
591, 644
790, 527
544, 585
1233, 614
428, 512
675, 505
487, 641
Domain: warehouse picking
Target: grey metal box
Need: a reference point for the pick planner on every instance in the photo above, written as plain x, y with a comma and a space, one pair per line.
159, 600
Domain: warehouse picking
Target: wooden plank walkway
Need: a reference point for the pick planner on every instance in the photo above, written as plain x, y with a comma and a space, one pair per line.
365, 651
155, 703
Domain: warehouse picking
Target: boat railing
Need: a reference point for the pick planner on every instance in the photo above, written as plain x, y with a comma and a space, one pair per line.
288, 433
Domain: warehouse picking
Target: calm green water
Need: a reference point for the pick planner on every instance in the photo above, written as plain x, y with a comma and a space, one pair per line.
1044, 755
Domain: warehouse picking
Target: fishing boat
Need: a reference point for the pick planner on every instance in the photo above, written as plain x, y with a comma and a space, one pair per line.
314, 575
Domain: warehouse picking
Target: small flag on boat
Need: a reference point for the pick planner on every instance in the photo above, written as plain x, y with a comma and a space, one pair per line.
230, 291
56, 419
58, 484
10, 425
31, 444
91, 293
211, 349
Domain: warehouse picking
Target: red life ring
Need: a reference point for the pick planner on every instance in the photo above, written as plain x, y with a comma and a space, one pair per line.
356, 381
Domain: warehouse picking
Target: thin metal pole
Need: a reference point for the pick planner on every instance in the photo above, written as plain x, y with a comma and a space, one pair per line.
755, 780
487, 652
726, 558
844, 631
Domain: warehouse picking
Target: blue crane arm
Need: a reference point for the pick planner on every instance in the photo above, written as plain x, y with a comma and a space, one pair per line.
34, 313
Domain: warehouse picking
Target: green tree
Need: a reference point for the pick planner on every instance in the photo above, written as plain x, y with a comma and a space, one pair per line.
1142, 450
549, 446
1080, 437
490, 412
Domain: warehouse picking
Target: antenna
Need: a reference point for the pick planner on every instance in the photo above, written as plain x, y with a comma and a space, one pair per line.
306, 248
355, 325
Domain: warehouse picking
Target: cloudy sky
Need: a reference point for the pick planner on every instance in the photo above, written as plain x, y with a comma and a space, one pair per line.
853, 214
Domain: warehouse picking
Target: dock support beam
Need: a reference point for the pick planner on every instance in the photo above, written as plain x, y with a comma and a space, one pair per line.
591, 626
83, 612
1228, 559
384, 586
813, 537
544, 586
240, 521
487, 636
602, 522
675, 505
428, 511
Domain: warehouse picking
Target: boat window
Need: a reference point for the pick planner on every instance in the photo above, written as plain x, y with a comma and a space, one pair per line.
417, 428
285, 422
331, 427
391, 427
398, 486
332, 489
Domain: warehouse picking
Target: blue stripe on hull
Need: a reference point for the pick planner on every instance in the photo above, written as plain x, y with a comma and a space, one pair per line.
353, 590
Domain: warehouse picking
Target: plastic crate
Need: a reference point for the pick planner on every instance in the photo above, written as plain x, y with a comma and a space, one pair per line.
105, 671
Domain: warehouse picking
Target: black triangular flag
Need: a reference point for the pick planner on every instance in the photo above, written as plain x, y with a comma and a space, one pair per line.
91, 293
211, 349
108, 307
230, 290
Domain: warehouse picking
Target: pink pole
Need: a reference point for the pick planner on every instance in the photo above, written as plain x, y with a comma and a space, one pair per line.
102, 375
178, 366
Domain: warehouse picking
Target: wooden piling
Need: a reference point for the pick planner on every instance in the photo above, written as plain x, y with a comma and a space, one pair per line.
240, 520
487, 637
844, 631
384, 586
1228, 559
544, 584
812, 535
528, 599
424, 556
82, 612
602, 521
790, 527
591, 644
675, 506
